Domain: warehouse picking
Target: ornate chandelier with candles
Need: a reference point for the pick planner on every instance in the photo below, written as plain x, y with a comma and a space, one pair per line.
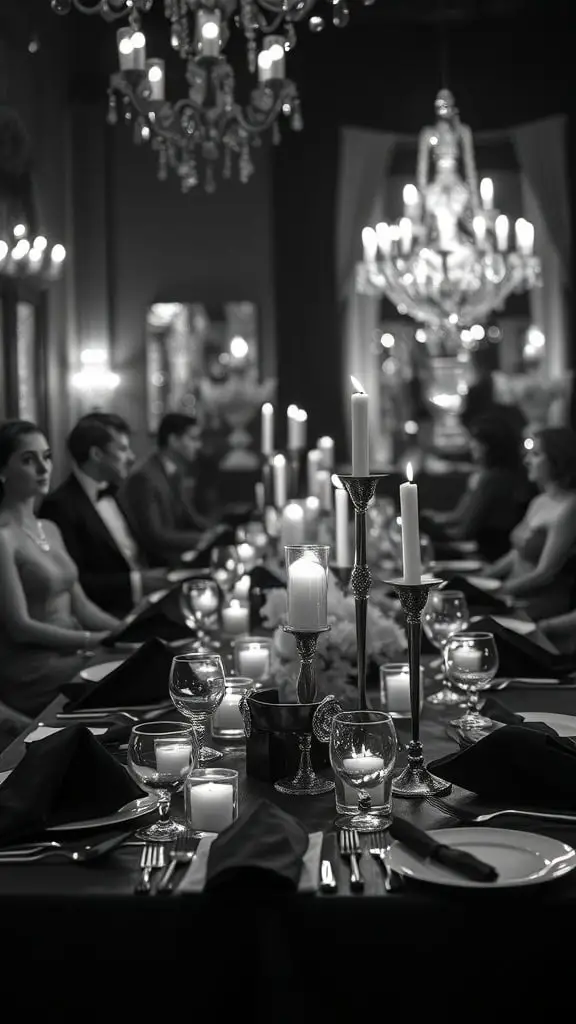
33, 257
450, 261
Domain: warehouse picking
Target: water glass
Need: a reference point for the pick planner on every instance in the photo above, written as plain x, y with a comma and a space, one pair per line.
446, 613
472, 663
160, 755
227, 723
253, 657
210, 800
363, 750
199, 602
197, 686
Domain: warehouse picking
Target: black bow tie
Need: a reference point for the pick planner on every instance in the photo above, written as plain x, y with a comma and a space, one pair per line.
107, 492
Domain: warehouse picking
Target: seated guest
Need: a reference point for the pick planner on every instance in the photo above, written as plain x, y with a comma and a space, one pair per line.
496, 496
539, 569
163, 499
46, 620
112, 569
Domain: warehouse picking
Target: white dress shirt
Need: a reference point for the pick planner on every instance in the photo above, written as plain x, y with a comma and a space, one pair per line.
111, 515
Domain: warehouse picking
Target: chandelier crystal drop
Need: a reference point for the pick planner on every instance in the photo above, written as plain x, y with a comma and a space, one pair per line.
450, 261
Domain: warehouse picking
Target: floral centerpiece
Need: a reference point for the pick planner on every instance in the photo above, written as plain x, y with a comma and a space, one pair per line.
336, 659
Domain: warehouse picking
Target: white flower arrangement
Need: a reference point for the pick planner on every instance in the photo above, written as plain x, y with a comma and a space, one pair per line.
336, 659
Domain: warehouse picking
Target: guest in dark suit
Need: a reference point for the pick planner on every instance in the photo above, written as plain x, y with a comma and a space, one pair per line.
166, 496
113, 571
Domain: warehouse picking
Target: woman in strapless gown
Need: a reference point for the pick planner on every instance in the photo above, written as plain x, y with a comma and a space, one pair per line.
539, 569
47, 624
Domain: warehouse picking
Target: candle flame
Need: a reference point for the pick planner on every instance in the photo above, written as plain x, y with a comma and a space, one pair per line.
356, 384
292, 411
268, 407
301, 415
279, 460
337, 483
409, 472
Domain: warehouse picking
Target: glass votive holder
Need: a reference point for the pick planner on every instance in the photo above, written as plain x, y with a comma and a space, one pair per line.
236, 617
307, 571
210, 799
227, 722
395, 689
253, 657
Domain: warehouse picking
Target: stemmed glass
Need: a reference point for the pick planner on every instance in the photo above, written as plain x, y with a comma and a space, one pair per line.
226, 567
199, 601
446, 613
197, 686
160, 755
471, 663
363, 749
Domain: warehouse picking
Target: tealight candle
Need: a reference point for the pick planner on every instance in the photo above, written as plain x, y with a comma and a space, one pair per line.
236, 618
172, 758
395, 689
210, 806
307, 594
227, 721
254, 661
466, 658
362, 764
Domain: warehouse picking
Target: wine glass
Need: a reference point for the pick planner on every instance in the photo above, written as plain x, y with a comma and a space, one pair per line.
197, 686
225, 567
199, 601
160, 755
363, 749
471, 663
446, 613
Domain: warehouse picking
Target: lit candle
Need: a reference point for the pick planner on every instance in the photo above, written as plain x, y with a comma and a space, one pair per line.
236, 618
125, 49
259, 495
370, 244
292, 529
360, 441
274, 47
398, 692
172, 758
362, 764
524, 231
324, 490
343, 556
410, 529
254, 661
156, 78
311, 515
227, 717
466, 658
209, 23
325, 445
247, 555
479, 228
487, 193
204, 600
405, 226
411, 199
210, 806
139, 51
384, 238
242, 588
267, 427
501, 228
313, 463
280, 482
307, 594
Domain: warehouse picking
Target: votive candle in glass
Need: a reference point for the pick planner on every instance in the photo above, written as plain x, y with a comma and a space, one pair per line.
235, 618
227, 722
395, 689
211, 799
252, 657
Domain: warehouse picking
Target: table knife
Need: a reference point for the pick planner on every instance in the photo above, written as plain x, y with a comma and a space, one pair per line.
328, 881
428, 848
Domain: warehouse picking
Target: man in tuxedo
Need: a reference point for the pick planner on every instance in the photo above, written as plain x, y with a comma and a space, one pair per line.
112, 569
169, 496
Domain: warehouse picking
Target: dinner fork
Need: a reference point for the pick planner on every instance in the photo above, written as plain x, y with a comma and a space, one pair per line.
182, 853
467, 817
351, 850
152, 858
380, 850
42, 851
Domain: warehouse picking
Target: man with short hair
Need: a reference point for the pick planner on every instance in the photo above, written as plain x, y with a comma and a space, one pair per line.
164, 495
86, 507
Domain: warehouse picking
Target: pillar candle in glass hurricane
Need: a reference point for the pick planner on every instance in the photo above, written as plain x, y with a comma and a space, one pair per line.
307, 567
410, 529
360, 435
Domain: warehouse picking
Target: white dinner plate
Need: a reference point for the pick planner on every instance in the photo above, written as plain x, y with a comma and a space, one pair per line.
520, 858
135, 809
96, 673
564, 725
458, 565
484, 583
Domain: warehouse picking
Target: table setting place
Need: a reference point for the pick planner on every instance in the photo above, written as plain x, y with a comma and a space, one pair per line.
206, 753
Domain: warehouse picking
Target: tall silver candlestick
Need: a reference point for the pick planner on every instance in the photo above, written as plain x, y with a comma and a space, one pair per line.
361, 490
415, 780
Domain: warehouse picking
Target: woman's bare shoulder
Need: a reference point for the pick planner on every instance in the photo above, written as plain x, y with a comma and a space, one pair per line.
8, 536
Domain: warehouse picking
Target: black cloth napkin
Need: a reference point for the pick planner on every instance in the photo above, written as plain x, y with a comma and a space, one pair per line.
63, 778
140, 680
496, 711
163, 619
478, 600
521, 657
516, 767
262, 849
427, 847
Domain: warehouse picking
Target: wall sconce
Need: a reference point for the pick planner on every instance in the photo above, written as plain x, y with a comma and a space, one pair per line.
95, 378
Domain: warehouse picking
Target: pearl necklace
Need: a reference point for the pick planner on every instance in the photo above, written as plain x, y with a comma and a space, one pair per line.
39, 537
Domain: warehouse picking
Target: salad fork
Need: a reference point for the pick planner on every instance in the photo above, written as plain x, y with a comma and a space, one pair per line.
351, 850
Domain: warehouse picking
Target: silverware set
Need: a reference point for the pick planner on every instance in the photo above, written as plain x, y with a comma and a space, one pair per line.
154, 858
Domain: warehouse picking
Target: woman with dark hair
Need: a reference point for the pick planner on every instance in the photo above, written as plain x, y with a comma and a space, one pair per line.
539, 568
497, 494
46, 621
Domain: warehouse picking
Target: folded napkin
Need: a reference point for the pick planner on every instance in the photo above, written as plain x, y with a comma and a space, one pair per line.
522, 656
195, 877
496, 711
476, 598
427, 847
163, 619
63, 778
517, 767
141, 679
264, 849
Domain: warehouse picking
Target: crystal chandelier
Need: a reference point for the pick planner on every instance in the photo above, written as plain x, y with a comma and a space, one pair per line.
449, 261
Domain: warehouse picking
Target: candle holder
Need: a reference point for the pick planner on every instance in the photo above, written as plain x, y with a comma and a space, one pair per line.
306, 641
415, 781
361, 490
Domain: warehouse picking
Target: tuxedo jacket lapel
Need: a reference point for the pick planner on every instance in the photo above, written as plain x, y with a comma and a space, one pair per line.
95, 526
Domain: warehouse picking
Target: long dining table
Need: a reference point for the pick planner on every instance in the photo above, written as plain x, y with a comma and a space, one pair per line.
63, 910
